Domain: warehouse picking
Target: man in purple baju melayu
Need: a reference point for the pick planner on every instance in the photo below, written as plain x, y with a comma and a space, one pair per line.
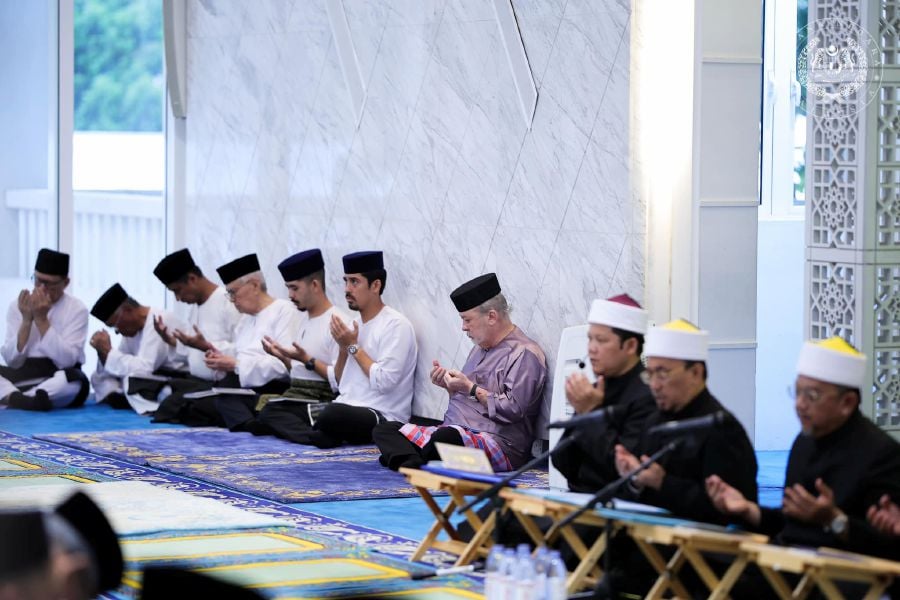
494, 399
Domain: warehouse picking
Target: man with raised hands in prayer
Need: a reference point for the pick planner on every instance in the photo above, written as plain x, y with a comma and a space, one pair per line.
493, 400
141, 351
376, 360
44, 348
310, 358
842, 468
242, 369
615, 344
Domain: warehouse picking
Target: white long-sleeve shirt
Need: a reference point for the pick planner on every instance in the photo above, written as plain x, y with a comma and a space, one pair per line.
145, 352
64, 341
216, 319
314, 336
390, 341
255, 367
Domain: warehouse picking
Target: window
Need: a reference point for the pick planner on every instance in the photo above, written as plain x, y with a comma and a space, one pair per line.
784, 110
118, 147
28, 148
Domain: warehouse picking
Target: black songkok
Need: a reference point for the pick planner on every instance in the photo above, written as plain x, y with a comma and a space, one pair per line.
363, 262
174, 266
87, 518
164, 582
475, 292
238, 268
109, 302
24, 543
52, 262
301, 264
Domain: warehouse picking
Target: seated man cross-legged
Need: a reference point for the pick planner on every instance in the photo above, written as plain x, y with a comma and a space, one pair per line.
494, 399
376, 361
310, 358
141, 351
242, 369
44, 348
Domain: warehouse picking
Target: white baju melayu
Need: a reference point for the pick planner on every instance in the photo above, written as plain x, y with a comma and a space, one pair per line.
63, 343
315, 337
138, 355
390, 340
217, 319
255, 367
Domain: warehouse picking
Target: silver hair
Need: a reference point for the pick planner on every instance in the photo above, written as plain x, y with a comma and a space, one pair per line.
255, 276
497, 303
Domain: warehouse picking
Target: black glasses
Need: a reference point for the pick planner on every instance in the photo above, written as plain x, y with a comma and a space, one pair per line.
662, 374
47, 283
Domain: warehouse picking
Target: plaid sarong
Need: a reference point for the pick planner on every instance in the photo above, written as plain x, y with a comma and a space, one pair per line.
421, 435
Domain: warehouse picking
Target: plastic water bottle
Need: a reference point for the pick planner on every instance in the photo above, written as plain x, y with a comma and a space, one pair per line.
523, 574
541, 562
505, 589
492, 572
556, 577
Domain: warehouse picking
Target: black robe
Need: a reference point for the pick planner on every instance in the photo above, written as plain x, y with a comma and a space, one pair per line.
860, 463
589, 463
723, 450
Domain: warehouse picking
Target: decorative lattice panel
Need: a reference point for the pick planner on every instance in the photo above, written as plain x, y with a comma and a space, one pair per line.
887, 208
887, 305
834, 152
886, 398
832, 208
832, 301
847, 10
889, 124
889, 32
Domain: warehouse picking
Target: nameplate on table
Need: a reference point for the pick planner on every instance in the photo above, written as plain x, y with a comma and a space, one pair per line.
462, 458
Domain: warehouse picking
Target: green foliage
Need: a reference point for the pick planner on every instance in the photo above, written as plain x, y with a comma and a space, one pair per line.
119, 80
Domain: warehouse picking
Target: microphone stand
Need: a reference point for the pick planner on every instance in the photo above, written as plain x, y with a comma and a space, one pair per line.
604, 495
607, 492
493, 491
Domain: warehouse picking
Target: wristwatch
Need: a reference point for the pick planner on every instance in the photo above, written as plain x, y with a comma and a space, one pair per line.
838, 525
310, 364
473, 393
352, 349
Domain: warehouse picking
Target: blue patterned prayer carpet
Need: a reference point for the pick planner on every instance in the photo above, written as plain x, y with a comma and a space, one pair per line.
264, 466
17, 469
90, 417
282, 562
79, 463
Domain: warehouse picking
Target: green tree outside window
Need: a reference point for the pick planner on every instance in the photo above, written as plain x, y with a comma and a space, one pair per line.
119, 80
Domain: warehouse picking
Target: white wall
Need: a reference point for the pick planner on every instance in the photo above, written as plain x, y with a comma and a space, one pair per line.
442, 173
780, 332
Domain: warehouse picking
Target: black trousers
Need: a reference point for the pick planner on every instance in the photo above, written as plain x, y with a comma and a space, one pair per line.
397, 451
204, 412
287, 420
340, 424
239, 410
44, 368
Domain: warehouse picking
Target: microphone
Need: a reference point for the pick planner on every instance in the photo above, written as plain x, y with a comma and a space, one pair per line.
715, 419
597, 416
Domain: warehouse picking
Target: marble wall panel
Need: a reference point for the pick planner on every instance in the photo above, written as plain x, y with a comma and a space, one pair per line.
442, 173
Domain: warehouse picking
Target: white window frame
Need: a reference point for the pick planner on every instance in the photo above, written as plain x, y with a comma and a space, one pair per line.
780, 92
